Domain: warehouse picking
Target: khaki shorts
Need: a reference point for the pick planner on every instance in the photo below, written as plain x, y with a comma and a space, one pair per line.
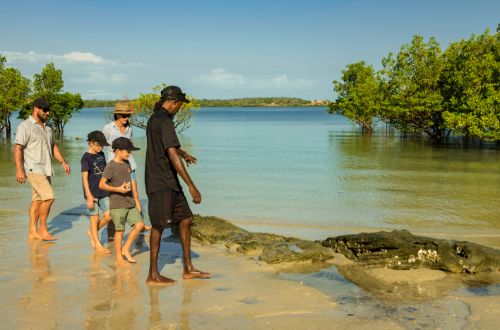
120, 216
41, 187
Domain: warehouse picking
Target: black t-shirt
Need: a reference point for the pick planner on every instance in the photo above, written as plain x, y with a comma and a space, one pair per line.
94, 164
161, 135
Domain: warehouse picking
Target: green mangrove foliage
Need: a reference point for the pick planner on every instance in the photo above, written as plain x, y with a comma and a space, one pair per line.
422, 90
358, 95
14, 90
145, 103
63, 105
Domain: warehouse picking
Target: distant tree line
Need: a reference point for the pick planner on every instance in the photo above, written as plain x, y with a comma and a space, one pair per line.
423, 90
17, 93
256, 102
239, 102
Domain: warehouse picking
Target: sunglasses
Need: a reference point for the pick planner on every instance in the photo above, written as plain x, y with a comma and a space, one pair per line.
124, 116
45, 110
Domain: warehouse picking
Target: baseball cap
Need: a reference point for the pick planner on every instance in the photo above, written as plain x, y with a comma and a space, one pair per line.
41, 103
174, 93
122, 143
97, 136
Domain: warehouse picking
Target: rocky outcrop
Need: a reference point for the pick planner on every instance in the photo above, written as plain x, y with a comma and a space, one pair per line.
270, 248
400, 249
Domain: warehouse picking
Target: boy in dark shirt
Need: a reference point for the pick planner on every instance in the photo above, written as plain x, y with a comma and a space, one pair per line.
124, 201
93, 164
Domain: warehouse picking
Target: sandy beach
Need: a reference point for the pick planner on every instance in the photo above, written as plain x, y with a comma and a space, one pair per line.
66, 285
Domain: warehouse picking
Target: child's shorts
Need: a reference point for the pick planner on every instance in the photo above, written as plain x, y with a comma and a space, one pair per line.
120, 216
100, 203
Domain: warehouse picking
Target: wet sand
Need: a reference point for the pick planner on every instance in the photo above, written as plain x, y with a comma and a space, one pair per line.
66, 285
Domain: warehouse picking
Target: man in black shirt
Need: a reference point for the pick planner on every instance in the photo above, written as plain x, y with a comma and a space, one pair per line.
167, 203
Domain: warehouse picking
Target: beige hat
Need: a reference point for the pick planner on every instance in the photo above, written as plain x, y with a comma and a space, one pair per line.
124, 107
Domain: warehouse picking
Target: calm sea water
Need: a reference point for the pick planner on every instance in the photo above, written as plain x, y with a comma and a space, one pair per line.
302, 170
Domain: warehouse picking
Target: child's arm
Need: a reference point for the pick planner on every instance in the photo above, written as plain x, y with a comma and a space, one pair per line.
86, 189
123, 189
135, 193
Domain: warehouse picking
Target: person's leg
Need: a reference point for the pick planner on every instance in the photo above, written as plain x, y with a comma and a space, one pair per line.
154, 276
118, 248
104, 206
119, 216
43, 214
42, 196
105, 220
96, 243
91, 226
111, 231
134, 218
185, 235
33, 230
132, 235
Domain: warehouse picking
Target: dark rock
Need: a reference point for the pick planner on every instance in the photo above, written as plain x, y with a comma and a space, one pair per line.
400, 249
270, 248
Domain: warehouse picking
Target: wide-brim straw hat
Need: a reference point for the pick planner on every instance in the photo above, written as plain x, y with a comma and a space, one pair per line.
124, 108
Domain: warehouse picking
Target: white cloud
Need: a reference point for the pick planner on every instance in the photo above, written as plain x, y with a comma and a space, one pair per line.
69, 58
96, 77
98, 94
223, 78
83, 57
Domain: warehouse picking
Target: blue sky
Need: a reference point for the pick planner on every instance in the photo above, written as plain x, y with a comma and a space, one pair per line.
223, 49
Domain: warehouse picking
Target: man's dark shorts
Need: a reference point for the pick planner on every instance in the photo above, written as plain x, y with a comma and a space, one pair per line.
166, 207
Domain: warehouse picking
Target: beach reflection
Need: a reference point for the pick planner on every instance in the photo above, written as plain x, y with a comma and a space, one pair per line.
115, 297
39, 302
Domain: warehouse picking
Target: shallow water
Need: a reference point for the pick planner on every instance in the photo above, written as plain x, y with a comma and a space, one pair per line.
292, 171
305, 172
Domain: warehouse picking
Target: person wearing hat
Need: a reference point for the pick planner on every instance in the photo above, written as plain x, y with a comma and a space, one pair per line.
34, 148
167, 202
119, 127
93, 164
123, 201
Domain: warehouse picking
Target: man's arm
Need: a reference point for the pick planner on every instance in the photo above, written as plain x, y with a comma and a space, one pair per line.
187, 157
181, 170
19, 158
58, 155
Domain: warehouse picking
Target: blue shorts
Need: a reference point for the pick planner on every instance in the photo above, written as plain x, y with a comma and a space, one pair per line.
100, 203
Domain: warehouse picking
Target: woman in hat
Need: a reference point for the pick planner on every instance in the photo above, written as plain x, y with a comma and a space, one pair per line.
120, 127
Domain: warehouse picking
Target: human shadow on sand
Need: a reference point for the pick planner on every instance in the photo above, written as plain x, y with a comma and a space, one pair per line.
171, 249
64, 220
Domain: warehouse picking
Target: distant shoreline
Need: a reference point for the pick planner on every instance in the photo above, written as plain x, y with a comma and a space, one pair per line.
271, 102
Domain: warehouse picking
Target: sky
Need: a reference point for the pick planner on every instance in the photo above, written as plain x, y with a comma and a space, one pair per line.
223, 49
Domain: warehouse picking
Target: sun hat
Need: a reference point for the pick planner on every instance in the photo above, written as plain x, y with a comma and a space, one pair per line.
124, 108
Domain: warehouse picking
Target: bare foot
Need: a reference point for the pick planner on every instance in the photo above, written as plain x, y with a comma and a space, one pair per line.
128, 257
120, 262
34, 236
160, 280
194, 273
102, 249
91, 240
46, 236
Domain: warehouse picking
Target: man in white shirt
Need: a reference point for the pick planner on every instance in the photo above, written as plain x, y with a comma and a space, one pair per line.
34, 148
